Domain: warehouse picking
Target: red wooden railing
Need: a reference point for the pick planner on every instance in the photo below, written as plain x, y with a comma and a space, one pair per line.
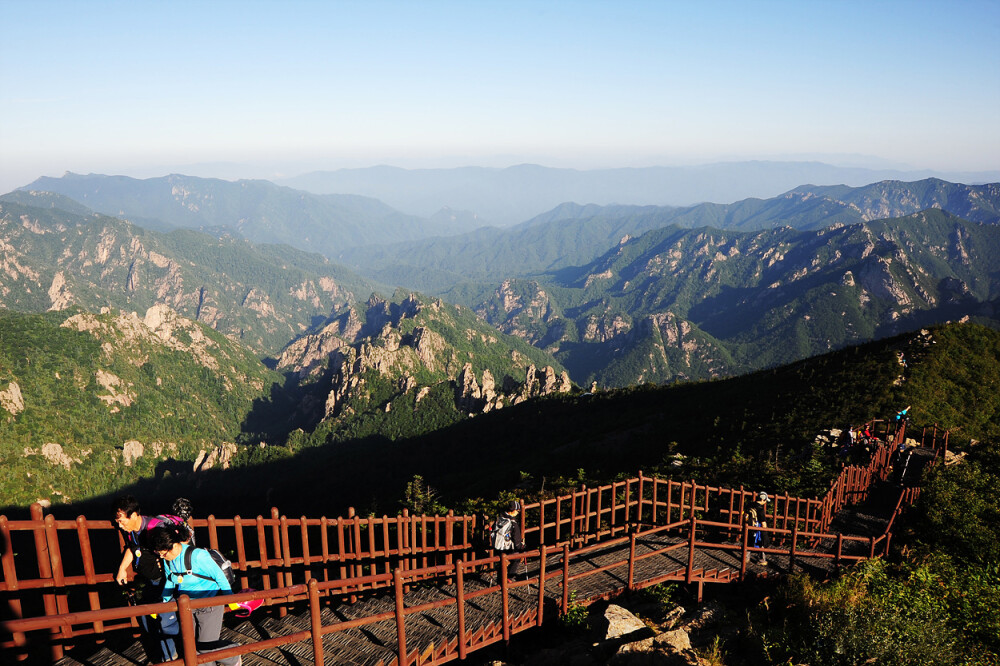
346, 556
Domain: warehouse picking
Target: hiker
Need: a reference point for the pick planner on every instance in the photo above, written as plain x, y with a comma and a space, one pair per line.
756, 516
182, 509
902, 417
192, 571
149, 573
506, 536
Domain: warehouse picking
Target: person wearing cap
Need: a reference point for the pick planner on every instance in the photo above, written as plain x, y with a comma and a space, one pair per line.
506, 535
756, 516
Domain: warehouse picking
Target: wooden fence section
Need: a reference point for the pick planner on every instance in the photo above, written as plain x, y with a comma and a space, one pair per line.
556, 577
355, 554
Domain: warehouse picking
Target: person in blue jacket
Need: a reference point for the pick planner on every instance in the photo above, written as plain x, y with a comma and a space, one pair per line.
203, 579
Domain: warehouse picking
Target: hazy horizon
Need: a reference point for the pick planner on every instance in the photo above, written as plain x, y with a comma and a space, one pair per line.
274, 90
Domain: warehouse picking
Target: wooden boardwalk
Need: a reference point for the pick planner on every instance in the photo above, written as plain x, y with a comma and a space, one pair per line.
405, 590
376, 643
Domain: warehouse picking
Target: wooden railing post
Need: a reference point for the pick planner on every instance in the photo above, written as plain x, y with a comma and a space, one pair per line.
565, 579
504, 596
306, 557
631, 561
278, 550
449, 537
89, 571
10, 578
45, 571
541, 522
558, 520
213, 533
315, 621
262, 551
241, 553
638, 509
694, 494
628, 501
541, 582
397, 580
460, 601
690, 567
285, 577
743, 551
572, 516
742, 503
656, 485
342, 547
189, 651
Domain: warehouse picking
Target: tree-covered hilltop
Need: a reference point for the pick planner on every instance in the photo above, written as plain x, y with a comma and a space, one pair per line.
90, 403
261, 295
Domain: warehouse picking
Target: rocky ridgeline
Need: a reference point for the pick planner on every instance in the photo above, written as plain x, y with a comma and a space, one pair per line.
472, 398
393, 341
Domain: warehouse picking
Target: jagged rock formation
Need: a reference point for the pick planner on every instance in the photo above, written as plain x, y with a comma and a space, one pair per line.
473, 399
413, 344
221, 456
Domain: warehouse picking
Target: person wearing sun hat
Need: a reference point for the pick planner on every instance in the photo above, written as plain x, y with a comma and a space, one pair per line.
755, 515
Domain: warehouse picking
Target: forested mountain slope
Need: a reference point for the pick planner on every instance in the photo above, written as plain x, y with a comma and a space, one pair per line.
263, 296
92, 402
692, 304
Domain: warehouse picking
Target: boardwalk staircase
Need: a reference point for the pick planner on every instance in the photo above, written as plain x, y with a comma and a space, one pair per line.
405, 589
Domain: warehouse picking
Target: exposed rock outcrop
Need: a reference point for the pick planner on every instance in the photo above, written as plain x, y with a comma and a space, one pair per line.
221, 456
55, 455
131, 452
11, 399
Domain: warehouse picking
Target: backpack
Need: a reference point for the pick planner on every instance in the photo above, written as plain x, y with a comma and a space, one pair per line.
168, 519
219, 558
500, 534
164, 518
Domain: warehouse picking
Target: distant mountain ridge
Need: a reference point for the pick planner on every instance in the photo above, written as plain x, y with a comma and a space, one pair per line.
258, 210
506, 196
573, 234
617, 316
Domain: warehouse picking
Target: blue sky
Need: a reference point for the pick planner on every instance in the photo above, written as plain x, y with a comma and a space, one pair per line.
143, 88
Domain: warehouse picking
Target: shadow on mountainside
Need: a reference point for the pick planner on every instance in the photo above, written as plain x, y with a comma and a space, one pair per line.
755, 430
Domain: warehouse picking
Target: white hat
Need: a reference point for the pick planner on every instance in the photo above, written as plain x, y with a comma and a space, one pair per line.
762, 496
